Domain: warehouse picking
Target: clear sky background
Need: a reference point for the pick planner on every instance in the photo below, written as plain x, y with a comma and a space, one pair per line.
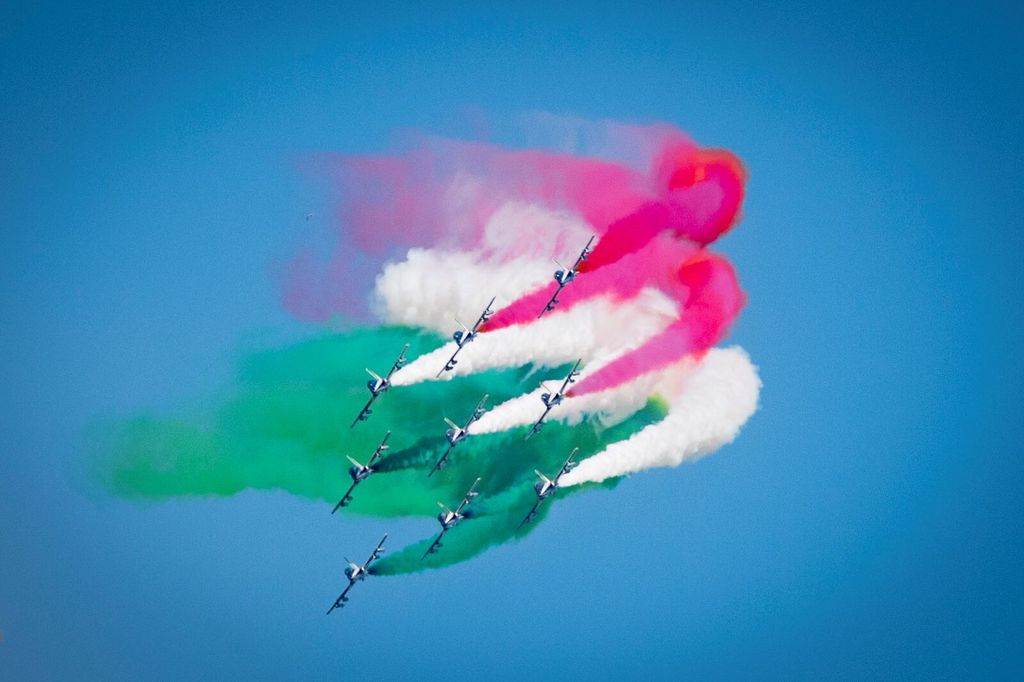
867, 522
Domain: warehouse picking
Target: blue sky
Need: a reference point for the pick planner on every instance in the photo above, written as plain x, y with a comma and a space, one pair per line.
865, 524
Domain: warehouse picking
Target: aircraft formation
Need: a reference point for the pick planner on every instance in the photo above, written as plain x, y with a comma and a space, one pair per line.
455, 434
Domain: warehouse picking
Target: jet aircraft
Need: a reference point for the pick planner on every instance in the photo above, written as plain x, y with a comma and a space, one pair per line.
378, 385
565, 275
546, 487
355, 573
456, 434
465, 335
449, 518
552, 399
361, 472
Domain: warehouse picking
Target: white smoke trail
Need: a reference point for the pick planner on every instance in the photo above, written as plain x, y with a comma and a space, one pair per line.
609, 407
599, 328
709, 401
432, 286
715, 400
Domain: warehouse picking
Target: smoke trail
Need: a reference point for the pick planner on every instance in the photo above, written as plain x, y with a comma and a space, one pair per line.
705, 193
622, 311
713, 299
485, 217
443, 229
469, 538
445, 193
286, 422
285, 426
716, 399
599, 328
493, 526
608, 406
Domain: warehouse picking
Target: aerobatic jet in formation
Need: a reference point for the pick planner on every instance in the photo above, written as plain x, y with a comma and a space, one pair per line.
566, 275
456, 434
378, 385
355, 573
465, 335
546, 487
449, 518
551, 399
361, 472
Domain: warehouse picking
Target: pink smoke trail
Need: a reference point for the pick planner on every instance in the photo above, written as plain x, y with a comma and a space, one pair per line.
442, 193
712, 298
653, 226
704, 190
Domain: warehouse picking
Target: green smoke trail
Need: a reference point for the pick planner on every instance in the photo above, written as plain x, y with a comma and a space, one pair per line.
492, 521
285, 425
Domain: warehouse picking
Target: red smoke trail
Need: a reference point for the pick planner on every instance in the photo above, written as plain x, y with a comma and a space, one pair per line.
653, 226
703, 193
704, 190
442, 193
711, 296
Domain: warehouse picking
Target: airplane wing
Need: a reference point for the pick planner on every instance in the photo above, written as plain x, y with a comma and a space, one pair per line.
485, 315
346, 498
552, 302
450, 365
470, 494
398, 362
339, 603
435, 545
365, 412
583, 254
379, 451
571, 378
375, 554
531, 514
568, 466
440, 463
535, 429
478, 412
